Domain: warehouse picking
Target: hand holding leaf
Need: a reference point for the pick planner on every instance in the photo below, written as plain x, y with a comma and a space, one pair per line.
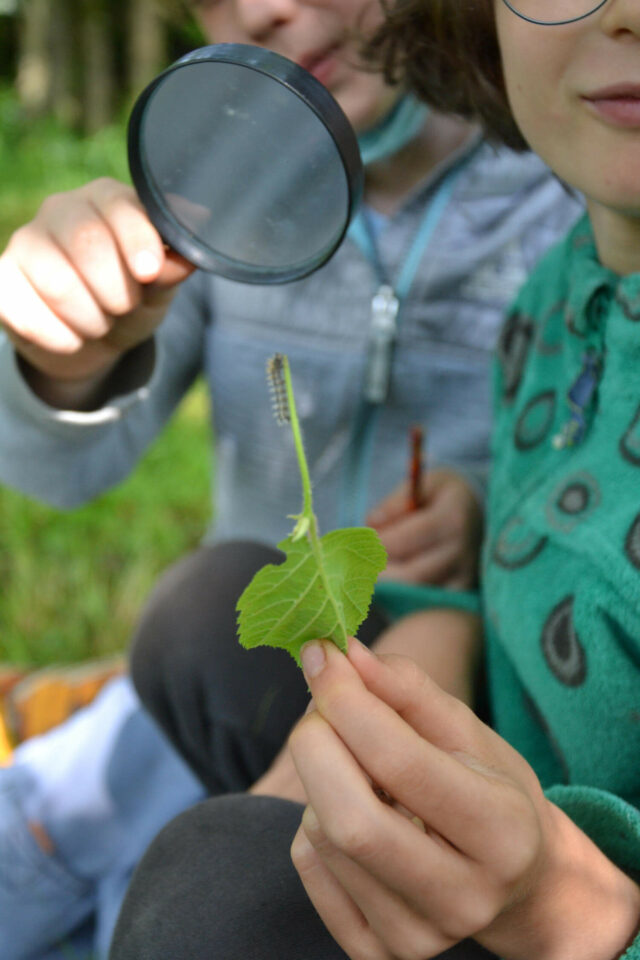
324, 587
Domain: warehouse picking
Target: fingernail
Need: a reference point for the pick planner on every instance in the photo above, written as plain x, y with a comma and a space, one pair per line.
67, 339
313, 659
310, 822
146, 264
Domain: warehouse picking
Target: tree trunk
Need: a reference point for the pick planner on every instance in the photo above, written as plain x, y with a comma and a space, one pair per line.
65, 102
98, 66
34, 60
78, 57
147, 43
45, 78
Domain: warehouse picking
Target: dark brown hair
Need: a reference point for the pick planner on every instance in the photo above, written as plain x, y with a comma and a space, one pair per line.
447, 52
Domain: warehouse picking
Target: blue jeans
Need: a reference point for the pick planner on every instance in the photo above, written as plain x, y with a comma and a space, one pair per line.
101, 786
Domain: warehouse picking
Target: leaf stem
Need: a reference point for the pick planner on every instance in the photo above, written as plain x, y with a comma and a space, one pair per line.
307, 504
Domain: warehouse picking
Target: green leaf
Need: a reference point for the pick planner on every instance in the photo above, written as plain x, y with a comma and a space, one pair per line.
322, 590
324, 587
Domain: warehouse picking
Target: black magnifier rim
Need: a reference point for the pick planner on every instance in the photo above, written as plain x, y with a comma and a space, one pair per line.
313, 94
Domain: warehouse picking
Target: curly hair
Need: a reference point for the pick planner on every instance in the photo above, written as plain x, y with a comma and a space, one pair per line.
447, 52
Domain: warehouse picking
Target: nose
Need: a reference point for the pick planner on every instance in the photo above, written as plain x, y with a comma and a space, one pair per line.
258, 18
621, 17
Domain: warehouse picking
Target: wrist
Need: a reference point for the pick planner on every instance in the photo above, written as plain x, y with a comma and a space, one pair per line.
120, 374
80, 393
582, 907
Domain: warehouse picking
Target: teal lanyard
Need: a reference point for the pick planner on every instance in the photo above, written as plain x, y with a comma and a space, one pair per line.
404, 122
385, 316
361, 233
388, 300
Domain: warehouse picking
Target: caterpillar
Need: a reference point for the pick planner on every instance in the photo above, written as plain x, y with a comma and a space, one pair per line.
278, 389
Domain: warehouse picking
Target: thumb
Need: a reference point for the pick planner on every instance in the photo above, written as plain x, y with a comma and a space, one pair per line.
174, 270
159, 291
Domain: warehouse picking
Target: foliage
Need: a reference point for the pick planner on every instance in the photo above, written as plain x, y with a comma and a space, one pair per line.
325, 585
73, 584
40, 157
321, 590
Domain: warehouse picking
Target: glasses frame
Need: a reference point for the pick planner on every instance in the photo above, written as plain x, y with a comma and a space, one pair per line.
552, 23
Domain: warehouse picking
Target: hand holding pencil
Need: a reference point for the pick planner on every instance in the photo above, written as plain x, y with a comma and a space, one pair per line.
416, 467
431, 524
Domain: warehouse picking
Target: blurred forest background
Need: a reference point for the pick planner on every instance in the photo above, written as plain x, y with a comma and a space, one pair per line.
72, 584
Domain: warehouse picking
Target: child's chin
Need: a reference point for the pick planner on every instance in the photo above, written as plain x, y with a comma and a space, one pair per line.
620, 194
627, 202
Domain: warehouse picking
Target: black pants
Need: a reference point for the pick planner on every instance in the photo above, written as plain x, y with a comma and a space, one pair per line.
218, 883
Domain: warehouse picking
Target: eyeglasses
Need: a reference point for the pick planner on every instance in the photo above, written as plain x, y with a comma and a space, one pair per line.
552, 13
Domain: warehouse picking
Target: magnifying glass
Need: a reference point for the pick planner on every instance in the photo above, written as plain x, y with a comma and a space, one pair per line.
245, 163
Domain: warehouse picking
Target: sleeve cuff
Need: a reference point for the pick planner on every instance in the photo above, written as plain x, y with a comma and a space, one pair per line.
612, 823
129, 385
400, 599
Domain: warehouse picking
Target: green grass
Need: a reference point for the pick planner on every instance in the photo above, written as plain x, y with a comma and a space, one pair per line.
72, 584
41, 157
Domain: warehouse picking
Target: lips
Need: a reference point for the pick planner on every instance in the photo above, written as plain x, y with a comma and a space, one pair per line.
618, 104
321, 63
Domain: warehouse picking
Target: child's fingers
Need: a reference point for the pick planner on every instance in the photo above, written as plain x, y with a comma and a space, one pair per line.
431, 712
138, 241
435, 565
86, 239
396, 504
57, 284
117, 253
174, 270
342, 918
428, 710
390, 508
365, 916
453, 797
393, 870
411, 533
28, 318
435, 715
514, 800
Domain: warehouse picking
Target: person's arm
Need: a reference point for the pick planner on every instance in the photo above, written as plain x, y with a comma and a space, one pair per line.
85, 384
466, 844
65, 458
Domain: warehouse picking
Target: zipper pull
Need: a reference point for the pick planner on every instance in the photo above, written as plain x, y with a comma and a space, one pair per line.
579, 397
384, 329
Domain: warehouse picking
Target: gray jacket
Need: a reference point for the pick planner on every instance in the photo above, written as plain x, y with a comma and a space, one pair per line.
504, 211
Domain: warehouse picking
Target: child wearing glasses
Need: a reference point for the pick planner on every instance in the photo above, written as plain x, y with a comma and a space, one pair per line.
425, 827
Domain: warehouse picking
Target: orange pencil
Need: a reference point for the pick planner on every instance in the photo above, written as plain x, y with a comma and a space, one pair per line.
416, 467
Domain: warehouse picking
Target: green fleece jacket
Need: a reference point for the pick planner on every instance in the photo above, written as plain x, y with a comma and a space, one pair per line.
562, 557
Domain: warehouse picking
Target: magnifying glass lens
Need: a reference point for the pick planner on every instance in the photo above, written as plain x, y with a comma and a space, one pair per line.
239, 172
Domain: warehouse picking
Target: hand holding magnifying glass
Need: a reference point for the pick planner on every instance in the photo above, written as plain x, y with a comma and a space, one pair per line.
245, 163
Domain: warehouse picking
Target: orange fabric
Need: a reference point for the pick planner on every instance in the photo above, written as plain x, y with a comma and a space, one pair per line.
33, 703
5, 744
